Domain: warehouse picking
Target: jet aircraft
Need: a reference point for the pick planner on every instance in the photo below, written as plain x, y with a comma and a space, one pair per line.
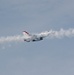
35, 37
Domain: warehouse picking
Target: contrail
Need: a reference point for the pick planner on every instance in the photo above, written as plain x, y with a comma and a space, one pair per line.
51, 33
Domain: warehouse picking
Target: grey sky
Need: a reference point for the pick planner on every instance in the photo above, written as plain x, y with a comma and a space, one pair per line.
47, 57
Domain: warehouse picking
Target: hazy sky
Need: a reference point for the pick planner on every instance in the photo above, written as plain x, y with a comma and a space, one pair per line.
47, 57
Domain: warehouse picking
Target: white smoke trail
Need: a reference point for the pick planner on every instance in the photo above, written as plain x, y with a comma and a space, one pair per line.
58, 34
11, 39
52, 34
61, 33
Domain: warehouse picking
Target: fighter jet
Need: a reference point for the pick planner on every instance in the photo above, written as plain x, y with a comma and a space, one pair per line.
34, 37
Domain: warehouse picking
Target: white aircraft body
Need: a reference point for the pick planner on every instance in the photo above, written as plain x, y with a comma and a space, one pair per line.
35, 37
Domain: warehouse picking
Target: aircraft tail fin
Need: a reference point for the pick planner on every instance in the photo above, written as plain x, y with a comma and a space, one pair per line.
26, 33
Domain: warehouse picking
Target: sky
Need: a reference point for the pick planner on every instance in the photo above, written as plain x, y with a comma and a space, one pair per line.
48, 57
